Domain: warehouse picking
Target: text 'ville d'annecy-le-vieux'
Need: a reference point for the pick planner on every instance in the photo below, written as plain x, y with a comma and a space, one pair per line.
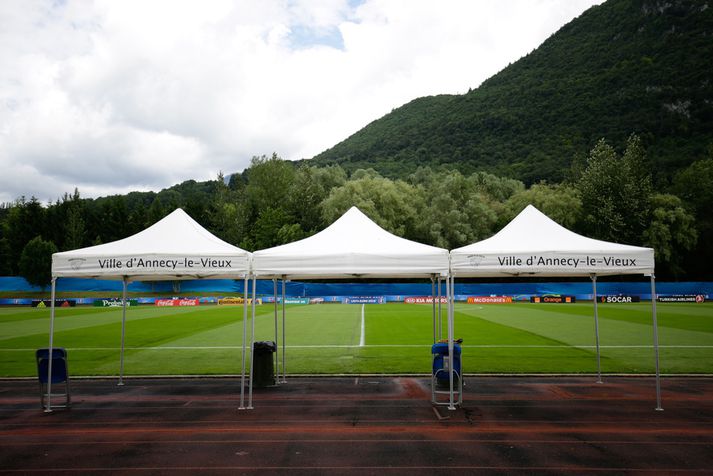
569, 262
114, 263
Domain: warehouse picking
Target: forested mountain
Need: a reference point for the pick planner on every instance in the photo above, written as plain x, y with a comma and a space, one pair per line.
626, 66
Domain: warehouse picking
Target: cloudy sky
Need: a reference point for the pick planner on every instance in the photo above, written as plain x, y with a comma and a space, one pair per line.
113, 96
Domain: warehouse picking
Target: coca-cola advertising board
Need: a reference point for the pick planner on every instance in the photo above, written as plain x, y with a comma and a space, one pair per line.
176, 302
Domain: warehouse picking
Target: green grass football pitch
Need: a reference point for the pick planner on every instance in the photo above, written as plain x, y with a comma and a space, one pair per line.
390, 338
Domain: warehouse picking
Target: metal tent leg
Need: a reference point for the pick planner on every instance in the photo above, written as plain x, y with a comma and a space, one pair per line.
48, 408
656, 343
596, 326
277, 341
440, 311
449, 292
123, 332
252, 350
284, 373
433, 300
245, 335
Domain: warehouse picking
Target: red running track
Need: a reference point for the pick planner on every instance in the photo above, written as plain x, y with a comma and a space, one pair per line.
364, 425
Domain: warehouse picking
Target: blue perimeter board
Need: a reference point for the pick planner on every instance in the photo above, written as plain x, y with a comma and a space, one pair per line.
389, 292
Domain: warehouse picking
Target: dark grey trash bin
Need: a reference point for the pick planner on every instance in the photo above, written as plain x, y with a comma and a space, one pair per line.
263, 365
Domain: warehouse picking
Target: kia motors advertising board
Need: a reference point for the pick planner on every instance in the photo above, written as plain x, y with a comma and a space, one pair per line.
424, 300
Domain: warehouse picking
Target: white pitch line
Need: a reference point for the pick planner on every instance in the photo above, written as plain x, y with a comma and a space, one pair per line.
361, 338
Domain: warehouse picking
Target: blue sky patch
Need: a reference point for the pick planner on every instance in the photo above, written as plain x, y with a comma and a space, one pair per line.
303, 36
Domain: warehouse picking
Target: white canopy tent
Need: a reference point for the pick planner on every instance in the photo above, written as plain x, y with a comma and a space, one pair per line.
174, 248
351, 247
532, 244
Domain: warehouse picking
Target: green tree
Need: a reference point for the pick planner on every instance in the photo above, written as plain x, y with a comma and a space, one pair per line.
138, 204
456, 210
497, 188
266, 200
615, 192
36, 262
290, 232
165, 202
671, 232
5, 258
74, 226
560, 202
391, 204
195, 197
694, 185
267, 227
310, 187
225, 212
25, 220
269, 180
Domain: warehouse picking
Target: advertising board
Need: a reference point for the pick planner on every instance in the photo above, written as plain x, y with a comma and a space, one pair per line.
489, 299
57, 302
176, 302
234, 301
113, 302
619, 299
682, 298
363, 300
554, 299
424, 299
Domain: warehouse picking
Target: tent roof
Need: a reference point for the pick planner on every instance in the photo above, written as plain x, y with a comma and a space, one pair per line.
352, 246
175, 247
533, 244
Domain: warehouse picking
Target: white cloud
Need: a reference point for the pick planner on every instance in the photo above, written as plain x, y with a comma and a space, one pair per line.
115, 96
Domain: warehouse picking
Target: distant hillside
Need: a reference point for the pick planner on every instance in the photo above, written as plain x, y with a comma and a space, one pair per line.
643, 66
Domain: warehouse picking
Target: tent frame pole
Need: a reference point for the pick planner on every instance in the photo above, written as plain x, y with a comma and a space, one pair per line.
656, 342
440, 311
245, 335
123, 331
48, 408
277, 341
433, 301
252, 349
284, 374
451, 360
593, 276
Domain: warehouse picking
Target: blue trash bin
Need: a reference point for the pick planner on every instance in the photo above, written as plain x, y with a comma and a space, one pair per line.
60, 375
441, 362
